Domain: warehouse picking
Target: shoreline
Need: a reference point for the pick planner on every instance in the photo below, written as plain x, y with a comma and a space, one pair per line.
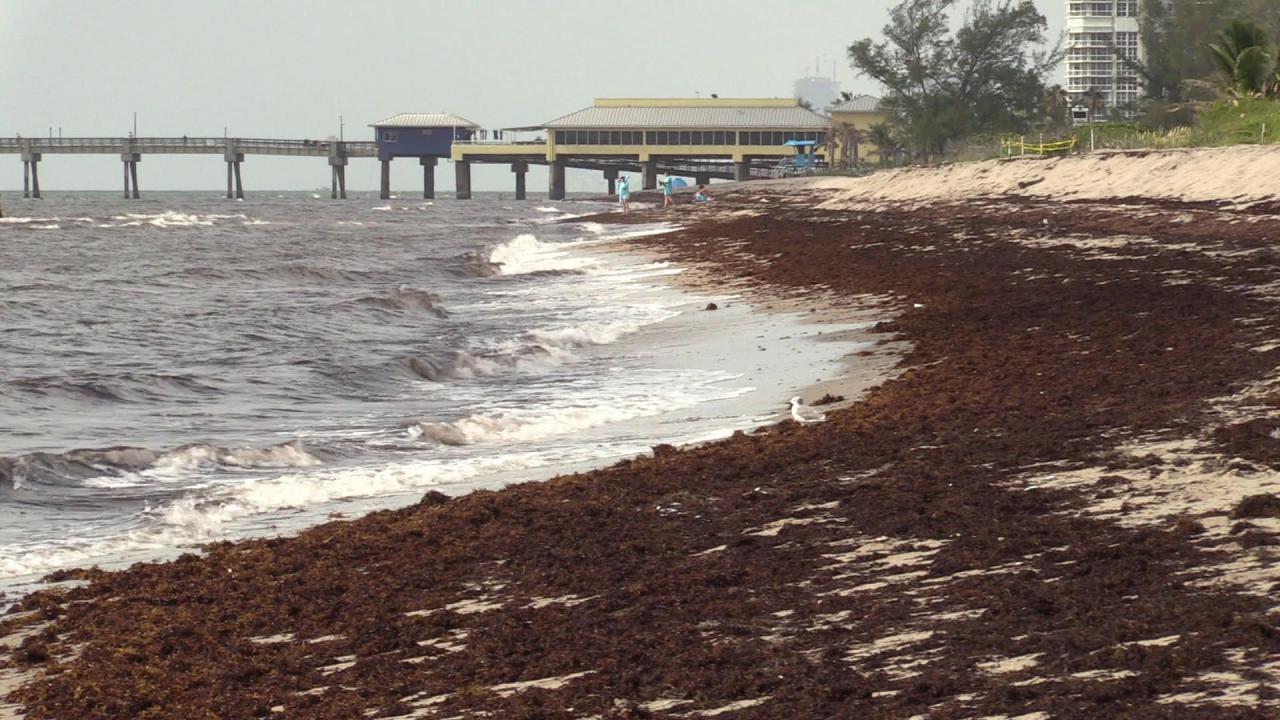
1066, 504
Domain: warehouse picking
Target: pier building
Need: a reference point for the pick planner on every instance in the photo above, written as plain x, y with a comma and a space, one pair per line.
426, 136
700, 138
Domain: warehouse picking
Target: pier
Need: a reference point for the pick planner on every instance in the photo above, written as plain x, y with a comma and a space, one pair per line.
232, 150
697, 138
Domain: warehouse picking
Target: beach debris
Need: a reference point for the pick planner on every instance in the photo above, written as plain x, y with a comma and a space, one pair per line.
804, 414
829, 399
1264, 505
711, 306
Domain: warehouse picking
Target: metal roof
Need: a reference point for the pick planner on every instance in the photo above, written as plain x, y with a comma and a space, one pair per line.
728, 117
858, 103
440, 119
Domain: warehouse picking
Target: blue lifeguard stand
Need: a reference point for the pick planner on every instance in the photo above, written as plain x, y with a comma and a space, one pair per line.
806, 159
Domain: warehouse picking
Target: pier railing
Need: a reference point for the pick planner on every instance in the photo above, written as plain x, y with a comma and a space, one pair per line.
184, 145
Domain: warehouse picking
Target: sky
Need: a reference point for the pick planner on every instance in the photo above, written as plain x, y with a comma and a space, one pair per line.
292, 68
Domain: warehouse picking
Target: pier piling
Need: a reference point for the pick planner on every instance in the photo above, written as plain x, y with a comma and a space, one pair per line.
35, 179
428, 177
384, 191
462, 173
555, 182
612, 177
520, 167
742, 170
239, 186
26, 179
650, 169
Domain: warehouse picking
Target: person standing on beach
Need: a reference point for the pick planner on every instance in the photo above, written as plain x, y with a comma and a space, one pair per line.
668, 186
624, 193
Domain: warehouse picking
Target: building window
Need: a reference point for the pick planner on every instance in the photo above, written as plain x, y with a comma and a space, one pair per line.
560, 137
390, 136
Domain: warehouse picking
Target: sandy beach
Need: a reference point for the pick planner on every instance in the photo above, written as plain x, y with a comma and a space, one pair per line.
1053, 491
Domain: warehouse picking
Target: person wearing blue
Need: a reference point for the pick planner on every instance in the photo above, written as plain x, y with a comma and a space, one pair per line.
701, 196
624, 193
668, 186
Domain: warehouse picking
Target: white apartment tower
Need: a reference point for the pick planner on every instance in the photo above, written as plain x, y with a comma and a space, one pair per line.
1096, 31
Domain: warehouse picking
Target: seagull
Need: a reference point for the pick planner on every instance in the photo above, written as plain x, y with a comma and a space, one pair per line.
803, 414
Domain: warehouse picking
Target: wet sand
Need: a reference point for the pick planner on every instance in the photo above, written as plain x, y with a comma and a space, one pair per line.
1064, 503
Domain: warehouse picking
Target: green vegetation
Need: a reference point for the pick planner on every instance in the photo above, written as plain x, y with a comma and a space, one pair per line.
942, 85
1211, 77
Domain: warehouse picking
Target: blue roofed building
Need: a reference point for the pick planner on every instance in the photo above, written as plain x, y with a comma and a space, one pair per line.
426, 136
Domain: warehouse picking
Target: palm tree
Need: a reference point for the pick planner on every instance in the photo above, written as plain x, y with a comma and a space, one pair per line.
1245, 60
1056, 106
1096, 102
881, 135
850, 144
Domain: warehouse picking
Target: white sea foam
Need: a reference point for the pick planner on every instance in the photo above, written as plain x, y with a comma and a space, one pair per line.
277, 456
588, 333
548, 209
526, 254
381, 207
169, 219
25, 220
573, 414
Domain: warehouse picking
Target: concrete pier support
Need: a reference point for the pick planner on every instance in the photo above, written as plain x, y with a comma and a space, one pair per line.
429, 177
611, 177
384, 187
702, 179
650, 170
30, 172
520, 167
234, 188
555, 181
742, 170
130, 162
462, 179
338, 179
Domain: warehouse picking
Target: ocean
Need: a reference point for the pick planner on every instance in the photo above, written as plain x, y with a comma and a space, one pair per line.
183, 368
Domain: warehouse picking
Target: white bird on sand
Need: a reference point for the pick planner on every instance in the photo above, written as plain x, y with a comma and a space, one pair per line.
804, 414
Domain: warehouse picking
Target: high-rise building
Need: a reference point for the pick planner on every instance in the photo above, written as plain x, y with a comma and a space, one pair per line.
819, 92
1100, 33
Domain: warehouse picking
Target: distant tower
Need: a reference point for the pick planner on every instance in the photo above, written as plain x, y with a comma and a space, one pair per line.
1096, 32
820, 92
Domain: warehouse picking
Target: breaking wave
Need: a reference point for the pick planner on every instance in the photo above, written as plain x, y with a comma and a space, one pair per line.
526, 254
532, 351
406, 298
123, 465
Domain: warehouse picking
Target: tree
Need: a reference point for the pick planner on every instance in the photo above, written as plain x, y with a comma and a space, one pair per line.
1175, 33
941, 86
1056, 107
882, 136
1245, 60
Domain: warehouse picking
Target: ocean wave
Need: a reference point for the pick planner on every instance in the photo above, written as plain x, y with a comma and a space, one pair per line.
121, 388
406, 298
526, 254
522, 425
533, 351
97, 466
170, 219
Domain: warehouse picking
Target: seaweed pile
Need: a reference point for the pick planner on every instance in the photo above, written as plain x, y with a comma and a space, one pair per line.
913, 555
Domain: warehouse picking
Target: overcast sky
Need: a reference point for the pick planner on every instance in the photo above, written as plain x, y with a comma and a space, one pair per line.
290, 68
